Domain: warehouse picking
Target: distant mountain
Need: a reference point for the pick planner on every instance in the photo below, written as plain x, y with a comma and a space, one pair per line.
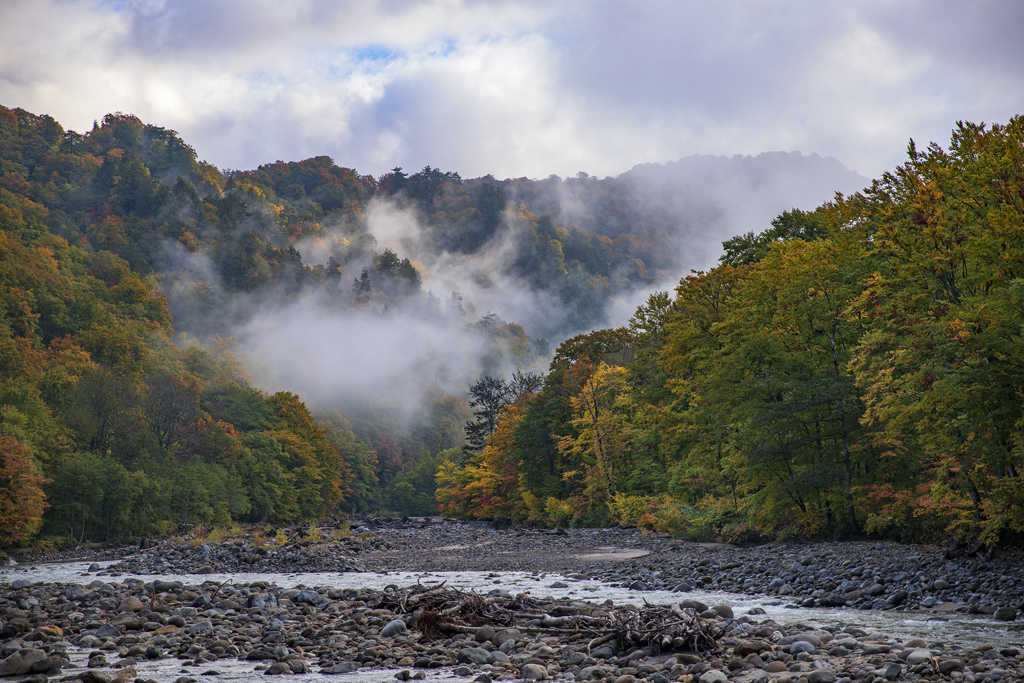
697, 202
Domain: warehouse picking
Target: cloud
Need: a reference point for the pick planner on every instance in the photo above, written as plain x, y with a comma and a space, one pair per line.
520, 88
357, 357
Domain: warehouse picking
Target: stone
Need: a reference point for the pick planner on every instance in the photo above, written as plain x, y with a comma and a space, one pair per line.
695, 605
393, 628
1005, 614
897, 598
308, 597
484, 633
713, 676
825, 675
340, 668
21, 662
18, 584
131, 604
35, 678
801, 646
277, 668
505, 635
918, 657
588, 673
775, 667
749, 647
946, 666
534, 672
128, 621
892, 672
472, 655
100, 677
161, 586
108, 631
723, 611
875, 590
200, 627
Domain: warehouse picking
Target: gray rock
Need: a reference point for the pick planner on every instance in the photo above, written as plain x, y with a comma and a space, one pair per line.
200, 627
504, 635
472, 655
108, 631
393, 628
825, 675
713, 676
261, 601
21, 662
892, 672
947, 666
18, 584
534, 672
341, 668
723, 611
484, 633
897, 598
35, 678
1005, 614
308, 597
100, 677
801, 646
498, 657
277, 668
588, 673
161, 586
918, 657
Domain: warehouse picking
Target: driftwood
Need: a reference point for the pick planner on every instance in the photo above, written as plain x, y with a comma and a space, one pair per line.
443, 611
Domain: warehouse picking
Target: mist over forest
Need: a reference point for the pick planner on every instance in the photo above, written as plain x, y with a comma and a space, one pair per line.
190, 345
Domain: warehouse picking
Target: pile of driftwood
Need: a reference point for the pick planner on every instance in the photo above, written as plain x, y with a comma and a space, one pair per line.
442, 611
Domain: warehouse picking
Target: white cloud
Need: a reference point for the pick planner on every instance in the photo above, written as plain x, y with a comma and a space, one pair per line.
519, 88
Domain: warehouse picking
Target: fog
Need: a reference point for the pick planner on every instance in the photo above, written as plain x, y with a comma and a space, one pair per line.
393, 352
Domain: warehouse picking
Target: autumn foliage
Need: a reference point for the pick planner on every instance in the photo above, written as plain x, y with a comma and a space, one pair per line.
853, 370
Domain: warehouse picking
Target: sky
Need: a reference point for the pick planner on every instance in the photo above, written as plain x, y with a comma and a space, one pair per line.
520, 87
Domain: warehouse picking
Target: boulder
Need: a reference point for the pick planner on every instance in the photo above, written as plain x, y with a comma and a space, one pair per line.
534, 672
393, 628
1005, 614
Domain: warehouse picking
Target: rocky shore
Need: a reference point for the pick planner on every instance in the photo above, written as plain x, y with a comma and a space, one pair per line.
113, 626
859, 575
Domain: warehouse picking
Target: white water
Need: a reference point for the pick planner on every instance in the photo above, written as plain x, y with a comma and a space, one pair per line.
949, 628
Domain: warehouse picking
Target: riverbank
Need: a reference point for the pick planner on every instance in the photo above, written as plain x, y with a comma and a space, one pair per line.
858, 575
116, 624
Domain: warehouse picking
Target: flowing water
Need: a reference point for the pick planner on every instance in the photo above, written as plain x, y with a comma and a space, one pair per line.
951, 628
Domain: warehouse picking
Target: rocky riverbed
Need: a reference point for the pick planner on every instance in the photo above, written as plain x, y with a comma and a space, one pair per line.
115, 626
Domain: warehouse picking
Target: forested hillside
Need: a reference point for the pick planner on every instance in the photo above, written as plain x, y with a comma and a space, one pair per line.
182, 344
853, 369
